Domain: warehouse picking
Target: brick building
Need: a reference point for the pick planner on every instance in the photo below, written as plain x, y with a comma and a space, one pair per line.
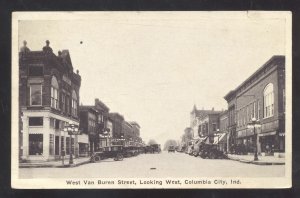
262, 97
102, 121
203, 122
127, 130
209, 124
136, 132
223, 129
117, 125
88, 125
93, 120
48, 99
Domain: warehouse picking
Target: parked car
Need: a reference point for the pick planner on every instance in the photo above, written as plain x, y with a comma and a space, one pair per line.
190, 149
116, 152
211, 151
171, 149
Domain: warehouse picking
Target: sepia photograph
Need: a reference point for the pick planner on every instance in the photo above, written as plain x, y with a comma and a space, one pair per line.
151, 100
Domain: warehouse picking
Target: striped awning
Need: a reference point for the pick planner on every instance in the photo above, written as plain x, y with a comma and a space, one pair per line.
267, 133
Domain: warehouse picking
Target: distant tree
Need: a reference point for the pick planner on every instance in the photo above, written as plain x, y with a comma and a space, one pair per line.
151, 141
170, 143
187, 135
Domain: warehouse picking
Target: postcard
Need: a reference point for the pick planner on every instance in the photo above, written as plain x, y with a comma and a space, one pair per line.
151, 100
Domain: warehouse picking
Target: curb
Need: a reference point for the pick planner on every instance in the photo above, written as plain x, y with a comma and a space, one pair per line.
53, 166
256, 162
72, 165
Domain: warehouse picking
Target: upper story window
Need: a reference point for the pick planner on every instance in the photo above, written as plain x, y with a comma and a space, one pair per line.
67, 100
35, 71
54, 93
269, 100
35, 121
63, 102
35, 94
74, 103
258, 109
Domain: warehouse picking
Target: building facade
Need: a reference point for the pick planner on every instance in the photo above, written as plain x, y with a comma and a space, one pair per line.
223, 120
209, 125
128, 132
204, 122
137, 140
231, 100
88, 126
117, 125
48, 99
102, 120
260, 97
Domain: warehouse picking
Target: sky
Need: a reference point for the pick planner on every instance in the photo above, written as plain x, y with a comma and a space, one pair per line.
153, 67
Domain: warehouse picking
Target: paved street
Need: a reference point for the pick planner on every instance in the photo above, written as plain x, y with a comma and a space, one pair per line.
164, 164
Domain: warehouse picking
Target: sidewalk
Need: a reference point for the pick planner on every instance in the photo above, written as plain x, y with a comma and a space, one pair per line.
55, 164
262, 160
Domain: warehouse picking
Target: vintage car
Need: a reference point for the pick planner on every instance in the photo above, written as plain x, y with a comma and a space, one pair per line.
210, 151
116, 152
153, 148
171, 149
130, 151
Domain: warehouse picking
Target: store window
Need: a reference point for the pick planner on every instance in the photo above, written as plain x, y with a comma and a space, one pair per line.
62, 144
269, 101
35, 121
54, 93
35, 144
35, 95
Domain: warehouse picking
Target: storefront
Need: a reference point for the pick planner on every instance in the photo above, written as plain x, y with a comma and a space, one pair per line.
269, 142
83, 145
44, 138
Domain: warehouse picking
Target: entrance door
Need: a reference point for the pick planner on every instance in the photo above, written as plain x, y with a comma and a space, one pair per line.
56, 145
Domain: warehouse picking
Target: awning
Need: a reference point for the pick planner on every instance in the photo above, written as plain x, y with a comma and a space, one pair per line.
267, 133
219, 137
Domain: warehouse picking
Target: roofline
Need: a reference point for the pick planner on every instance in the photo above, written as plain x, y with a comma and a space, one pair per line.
87, 107
272, 59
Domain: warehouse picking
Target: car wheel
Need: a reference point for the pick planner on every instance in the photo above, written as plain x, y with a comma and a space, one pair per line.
97, 159
119, 157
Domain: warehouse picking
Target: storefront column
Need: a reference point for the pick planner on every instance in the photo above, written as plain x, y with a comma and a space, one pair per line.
46, 138
76, 145
258, 144
25, 135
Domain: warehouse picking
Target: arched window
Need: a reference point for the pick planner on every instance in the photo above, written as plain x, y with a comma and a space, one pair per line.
269, 100
54, 93
74, 103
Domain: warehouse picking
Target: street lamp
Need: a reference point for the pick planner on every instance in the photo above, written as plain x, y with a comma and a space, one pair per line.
122, 140
254, 124
217, 134
72, 129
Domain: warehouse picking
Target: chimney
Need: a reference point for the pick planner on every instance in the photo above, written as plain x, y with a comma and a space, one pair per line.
77, 71
213, 109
